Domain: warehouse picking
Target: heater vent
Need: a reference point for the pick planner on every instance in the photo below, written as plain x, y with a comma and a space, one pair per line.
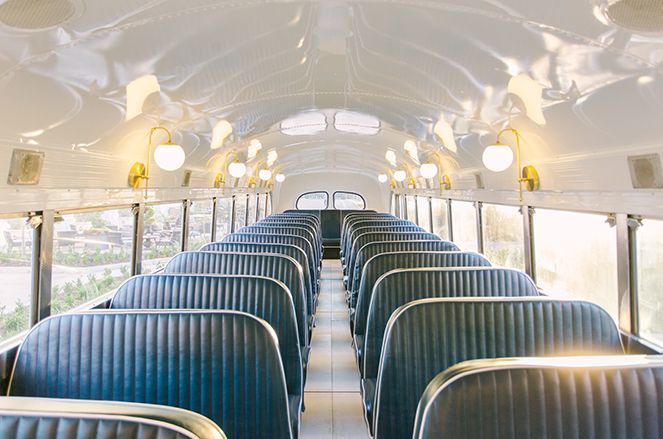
642, 16
36, 14
646, 171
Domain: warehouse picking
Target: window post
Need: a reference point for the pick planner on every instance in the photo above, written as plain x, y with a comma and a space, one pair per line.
450, 221
479, 208
626, 272
186, 206
430, 214
528, 239
42, 265
137, 241
215, 218
233, 214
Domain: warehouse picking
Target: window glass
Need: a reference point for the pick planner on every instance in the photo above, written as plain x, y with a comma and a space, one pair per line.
401, 207
503, 241
268, 209
251, 213
392, 205
262, 198
348, 201
200, 223
423, 209
465, 225
240, 211
313, 200
91, 256
162, 236
440, 218
650, 279
576, 257
15, 275
223, 213
411, 210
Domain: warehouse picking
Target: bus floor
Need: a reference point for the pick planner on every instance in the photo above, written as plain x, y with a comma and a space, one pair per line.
332, 398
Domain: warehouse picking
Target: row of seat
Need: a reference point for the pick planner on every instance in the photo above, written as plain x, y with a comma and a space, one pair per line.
223, 332
426, 316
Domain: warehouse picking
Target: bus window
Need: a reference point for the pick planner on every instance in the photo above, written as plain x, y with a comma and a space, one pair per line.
576, 257
262, 199
162, 235
423, 213
252, 209
440, 218
91, 256
200, 223
240, 211
650, 278
503, 241
465, 225
223, 214
411, 208
313, 201
15, 275
348, 201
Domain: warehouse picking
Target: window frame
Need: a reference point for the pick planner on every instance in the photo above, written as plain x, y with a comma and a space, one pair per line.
313, 192
349, 193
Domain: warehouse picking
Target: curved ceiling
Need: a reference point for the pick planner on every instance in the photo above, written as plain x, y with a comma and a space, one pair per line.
256, 63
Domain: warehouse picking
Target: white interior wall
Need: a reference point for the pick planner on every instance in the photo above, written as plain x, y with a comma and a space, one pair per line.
285, 194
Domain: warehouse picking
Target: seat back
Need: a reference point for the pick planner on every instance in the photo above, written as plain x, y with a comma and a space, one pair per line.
365, 238
275, 266
425, 337
374, 248
350, 220
293, 251
304, 232
222, 364
262, 297
375, 226
398, 287
612, 397
385, 262
51, 418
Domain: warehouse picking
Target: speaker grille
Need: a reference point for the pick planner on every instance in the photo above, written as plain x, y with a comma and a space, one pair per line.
646, 171
36, 14
642, 16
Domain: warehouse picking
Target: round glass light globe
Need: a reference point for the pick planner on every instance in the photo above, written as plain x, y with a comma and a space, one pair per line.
169, 156
428, 170
237, 169
400, 175
497, 158
280, 178
382, 178
265, 174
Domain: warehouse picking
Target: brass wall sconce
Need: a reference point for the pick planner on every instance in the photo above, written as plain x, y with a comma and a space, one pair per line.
445, 182
168, 156
499, 157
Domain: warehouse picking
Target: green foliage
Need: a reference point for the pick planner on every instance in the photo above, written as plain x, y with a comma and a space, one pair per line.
90, 258
14, 258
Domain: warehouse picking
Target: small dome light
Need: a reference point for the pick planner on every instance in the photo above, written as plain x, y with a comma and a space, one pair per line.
428, 170
400, 175
382, 178
497, 157
265, 174
237, 169
169, 156
280, 178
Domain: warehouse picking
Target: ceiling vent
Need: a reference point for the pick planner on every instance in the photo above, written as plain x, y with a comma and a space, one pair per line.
646, 171
36, 14
641, 16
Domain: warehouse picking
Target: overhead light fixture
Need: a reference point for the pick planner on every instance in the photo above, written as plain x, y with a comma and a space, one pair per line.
411, 148
254, 146
138, 91
168, 156
530, 94
390, 156
499, 157
271, 157
220, 133
382, 178
445, 133
280, 178
428, 170
400, 175
265, 174
237, 169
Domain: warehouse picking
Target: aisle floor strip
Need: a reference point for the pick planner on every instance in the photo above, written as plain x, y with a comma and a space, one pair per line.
333, 401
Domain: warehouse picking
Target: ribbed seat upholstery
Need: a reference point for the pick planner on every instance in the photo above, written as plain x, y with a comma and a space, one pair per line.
352, 217
375, 248
302, 223
365, 238
286, 230
353, 222
393, 226
400, 286
385, 262
272, 238
425, 337
275, 266
282, 249
51, 418
614, 397
262, 297
222, 364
